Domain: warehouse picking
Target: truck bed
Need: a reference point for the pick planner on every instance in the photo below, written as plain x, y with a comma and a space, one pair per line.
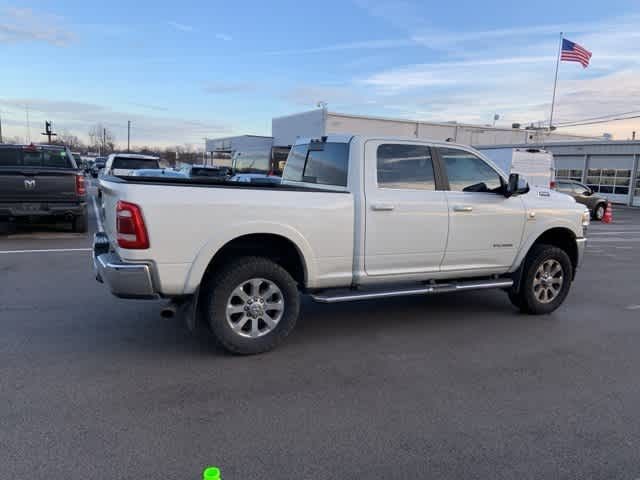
188, 220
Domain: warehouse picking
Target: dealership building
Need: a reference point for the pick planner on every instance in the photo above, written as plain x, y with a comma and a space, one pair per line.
319, 122
607, 166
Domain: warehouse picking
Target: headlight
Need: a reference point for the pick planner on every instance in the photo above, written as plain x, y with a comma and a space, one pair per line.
586, 218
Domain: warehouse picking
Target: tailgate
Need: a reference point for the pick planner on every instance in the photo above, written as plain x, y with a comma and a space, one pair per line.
37, 184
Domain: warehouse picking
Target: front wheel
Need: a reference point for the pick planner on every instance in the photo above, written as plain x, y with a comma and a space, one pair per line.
546, 280
252, 304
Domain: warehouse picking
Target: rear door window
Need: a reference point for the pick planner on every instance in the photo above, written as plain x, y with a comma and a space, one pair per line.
406, 167
9, 157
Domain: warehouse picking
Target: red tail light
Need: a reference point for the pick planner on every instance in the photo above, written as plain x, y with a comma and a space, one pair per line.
552, 185
80, 187
131, 231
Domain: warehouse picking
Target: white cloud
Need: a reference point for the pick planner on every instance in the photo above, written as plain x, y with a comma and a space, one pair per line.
220, 88
337, 96
362, 45
482, 76
181, 26
224, 37
19, 25
449, 73
78, 117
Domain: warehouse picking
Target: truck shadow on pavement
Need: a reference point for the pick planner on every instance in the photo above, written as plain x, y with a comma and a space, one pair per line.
320, 326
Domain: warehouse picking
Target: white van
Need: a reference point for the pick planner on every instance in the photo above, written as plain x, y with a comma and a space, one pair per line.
536, 165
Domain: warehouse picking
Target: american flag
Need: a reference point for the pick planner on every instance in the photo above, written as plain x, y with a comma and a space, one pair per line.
572, 52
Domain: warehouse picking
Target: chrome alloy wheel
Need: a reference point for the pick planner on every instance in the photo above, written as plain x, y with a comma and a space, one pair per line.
255, 307
548, 281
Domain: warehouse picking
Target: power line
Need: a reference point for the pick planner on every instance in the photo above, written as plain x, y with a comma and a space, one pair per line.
597, 118
596, 122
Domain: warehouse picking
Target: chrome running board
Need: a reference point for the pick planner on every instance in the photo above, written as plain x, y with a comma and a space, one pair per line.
354, 295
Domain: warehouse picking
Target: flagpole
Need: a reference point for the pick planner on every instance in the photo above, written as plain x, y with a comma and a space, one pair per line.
555, 83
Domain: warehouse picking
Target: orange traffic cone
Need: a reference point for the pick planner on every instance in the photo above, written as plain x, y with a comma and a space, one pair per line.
608, 214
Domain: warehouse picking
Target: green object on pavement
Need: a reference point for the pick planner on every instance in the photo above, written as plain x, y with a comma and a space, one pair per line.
211, 473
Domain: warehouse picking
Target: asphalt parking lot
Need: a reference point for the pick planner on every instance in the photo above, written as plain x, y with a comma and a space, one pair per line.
455, 386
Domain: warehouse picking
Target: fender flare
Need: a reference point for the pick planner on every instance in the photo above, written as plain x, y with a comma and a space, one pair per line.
213, 245
526, 246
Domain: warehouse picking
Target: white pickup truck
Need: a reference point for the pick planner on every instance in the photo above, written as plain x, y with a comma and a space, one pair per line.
354, 218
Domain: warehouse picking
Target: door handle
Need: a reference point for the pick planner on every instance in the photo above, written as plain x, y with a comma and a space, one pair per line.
463, 208
382, 207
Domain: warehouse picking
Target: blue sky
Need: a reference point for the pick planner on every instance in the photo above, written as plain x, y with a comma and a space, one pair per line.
185, 70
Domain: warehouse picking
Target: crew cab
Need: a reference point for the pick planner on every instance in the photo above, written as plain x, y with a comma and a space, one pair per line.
41, 181
355, 218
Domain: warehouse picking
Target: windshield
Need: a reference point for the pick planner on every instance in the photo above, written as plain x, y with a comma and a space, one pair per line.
252, 163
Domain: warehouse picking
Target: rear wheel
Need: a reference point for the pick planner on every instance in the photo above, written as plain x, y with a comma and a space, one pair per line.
598, 212
80, 223
252, 304
546, 280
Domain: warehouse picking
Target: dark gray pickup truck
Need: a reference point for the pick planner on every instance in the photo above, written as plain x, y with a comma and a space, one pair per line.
41, 181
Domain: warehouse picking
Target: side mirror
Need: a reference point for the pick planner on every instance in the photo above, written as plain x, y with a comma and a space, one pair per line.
516, 186
512, 186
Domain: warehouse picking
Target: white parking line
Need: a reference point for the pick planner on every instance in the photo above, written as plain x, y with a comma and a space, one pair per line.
613, 240
617, 232
633, 307
48, 250
97, 213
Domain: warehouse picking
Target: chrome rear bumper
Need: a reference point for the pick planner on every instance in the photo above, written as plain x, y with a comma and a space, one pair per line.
124, 279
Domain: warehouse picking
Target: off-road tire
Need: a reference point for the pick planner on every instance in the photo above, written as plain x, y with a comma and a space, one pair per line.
525, 299
219, 289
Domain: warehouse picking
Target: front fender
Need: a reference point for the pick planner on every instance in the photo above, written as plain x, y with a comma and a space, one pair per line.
534, 231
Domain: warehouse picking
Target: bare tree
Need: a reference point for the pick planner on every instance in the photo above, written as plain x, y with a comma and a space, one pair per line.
14, 140
71, 141
101, 138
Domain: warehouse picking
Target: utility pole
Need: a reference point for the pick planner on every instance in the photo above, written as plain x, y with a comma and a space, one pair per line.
104, 139
128, 136
26, 107
48, 130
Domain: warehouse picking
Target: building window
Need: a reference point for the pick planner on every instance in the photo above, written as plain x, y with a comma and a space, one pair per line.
609, 180
569, 174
